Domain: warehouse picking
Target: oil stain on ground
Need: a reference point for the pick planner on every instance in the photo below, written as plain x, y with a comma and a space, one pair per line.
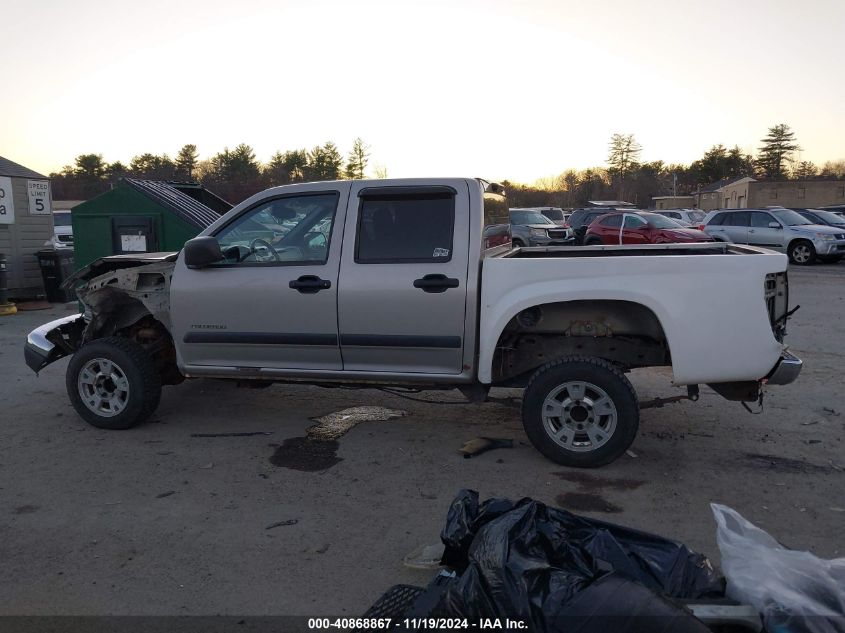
785, 464
306, 454
585, 502
318, 449
586, 499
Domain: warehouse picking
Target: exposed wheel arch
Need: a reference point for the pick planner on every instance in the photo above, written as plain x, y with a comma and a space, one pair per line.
625, 333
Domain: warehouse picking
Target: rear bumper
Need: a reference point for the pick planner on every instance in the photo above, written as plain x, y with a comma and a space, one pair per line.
786, 370
39, 351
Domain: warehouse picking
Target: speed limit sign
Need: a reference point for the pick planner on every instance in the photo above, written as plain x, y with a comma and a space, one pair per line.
39, 197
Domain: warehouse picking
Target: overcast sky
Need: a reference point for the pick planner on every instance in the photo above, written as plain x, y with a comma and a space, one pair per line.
518, 90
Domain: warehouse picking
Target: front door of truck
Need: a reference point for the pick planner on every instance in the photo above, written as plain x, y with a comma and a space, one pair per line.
272, 303
402, 288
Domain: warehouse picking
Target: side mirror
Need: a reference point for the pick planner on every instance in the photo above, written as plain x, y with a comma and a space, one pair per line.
774, 225
202, 251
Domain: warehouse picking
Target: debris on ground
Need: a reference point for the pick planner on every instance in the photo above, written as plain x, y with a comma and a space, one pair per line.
165, 494
282, 524
795, 591
480, 445
337, 424
630, 453
425, 557
554, 571
238, 434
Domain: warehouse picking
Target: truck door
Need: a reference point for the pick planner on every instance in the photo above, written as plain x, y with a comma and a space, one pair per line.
402, 288
272, 303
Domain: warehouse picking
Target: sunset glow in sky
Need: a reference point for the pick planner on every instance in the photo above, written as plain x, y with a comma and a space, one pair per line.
516, 90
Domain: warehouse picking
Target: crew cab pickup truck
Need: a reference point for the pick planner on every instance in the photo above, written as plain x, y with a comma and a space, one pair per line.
393, 283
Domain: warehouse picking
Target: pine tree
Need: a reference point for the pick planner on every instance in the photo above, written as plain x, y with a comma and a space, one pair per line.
357, 161
186, 161
776, 151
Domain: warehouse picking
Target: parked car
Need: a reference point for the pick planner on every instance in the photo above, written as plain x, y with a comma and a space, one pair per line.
400, 291
555, 214
532, 228
62, 228
834, 208
826, 218
780, 229
582, 218
640, 228
686, 217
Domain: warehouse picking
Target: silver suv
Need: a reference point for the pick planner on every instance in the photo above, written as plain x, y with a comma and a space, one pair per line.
780, 229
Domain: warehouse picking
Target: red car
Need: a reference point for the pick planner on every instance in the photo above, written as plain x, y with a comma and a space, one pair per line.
640, 228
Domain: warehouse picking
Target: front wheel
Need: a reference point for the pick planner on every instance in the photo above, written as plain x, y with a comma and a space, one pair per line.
580, 411
112, 383
801, 252
517, 243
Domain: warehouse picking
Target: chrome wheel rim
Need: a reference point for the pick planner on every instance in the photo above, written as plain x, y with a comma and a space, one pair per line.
579, 416
801, 254
103, 387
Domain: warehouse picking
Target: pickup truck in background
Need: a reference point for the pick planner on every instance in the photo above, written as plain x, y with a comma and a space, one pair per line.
393, 282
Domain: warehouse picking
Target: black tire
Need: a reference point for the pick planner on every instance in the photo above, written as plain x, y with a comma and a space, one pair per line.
798, 248
133, 364
517, 243
592, 240
600, 375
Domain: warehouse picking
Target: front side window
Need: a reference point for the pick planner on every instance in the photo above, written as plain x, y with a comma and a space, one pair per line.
790, 217
633, 222
293, 229
405, 228
761, 220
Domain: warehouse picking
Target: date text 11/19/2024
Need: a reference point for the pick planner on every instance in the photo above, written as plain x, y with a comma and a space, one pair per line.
428, 624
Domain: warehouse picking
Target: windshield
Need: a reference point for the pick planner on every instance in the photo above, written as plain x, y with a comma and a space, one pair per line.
696, 216
830, 217
529, 217
61, 219
790, 217
661, 222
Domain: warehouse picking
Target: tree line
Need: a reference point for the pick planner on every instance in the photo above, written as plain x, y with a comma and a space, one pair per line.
626, 177
233, 174
236, 174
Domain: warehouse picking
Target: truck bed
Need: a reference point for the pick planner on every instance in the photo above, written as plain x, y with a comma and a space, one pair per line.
629, 250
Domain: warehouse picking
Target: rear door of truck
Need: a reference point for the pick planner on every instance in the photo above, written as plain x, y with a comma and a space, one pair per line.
402, 290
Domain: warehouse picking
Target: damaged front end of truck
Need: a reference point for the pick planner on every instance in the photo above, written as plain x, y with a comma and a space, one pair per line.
126, 295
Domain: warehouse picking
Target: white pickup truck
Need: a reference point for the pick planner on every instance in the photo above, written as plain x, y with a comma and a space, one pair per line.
414, 283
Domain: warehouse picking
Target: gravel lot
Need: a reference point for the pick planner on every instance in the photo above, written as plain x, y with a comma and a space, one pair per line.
156, 521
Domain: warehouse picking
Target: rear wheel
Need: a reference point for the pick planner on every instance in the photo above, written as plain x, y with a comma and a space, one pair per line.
113, 383
580, 411
801, 252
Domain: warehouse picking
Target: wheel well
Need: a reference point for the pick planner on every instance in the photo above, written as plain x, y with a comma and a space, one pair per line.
115, 313
625, 333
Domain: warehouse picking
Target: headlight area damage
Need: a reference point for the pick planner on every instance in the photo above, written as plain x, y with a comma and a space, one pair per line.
126, 295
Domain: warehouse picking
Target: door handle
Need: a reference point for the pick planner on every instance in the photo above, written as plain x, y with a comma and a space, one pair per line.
309, 284
436, 283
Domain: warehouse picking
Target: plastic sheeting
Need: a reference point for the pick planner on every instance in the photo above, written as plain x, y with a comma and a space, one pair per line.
795, 591
561, 572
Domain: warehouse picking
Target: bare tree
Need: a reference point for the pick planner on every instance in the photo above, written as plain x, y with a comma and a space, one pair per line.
623, 158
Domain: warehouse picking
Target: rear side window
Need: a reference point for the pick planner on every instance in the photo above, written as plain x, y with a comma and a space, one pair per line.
405, 229
735, 219
672, 214
612, 221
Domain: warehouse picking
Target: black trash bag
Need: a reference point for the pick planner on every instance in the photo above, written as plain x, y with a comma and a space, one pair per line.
528, 561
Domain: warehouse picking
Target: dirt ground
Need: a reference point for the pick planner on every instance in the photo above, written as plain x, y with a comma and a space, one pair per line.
158, 521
